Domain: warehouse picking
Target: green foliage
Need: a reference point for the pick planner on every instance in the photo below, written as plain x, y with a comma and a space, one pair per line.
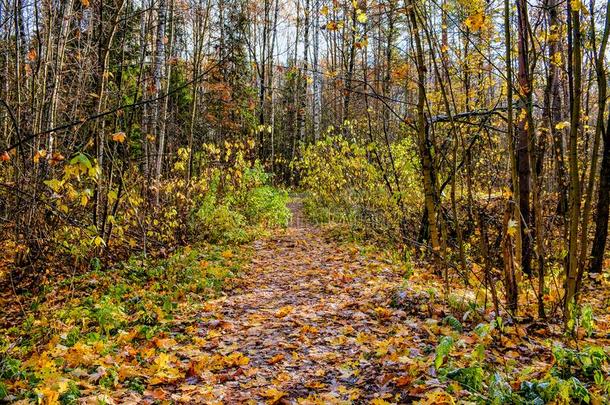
566, 391
584, 363
108, 315
9, 368
136, 384
500, 392
3, 390
470, 377
237, 205
267, 205
453, 322
221, 224
586, 319
72, 337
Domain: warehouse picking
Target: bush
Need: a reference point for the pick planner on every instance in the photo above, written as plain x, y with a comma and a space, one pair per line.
347, 184
246, 202
220, 223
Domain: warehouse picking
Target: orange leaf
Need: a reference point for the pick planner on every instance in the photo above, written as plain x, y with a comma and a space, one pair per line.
119, 137
32, 55
276, 359
404, 381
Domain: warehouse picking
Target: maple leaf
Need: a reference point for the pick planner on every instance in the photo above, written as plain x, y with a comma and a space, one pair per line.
236, 359
119, 137
57, 157
379, 401
164, 343
32, 55
163, 369
273, 395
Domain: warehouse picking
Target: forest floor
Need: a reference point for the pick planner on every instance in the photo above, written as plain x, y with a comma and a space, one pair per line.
308, 319
307, 313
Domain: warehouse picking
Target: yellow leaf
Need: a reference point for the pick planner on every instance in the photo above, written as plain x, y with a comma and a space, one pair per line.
50, 395
362, 18
512, 227
332, 26
54, 184
98, 241
282, 312
324, 10
476, 21
437, 397
577, 5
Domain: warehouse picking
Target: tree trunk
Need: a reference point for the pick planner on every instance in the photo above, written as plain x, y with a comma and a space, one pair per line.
423, 141
603, 199
524, 134
575, 80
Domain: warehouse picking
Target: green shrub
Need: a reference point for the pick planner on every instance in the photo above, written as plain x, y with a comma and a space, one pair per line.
266, 206
584, 363
221, 224
108, 315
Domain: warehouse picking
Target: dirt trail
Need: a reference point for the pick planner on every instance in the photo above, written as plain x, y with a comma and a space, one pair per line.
307, 319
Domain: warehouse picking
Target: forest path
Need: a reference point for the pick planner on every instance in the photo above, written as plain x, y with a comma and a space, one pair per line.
309, 316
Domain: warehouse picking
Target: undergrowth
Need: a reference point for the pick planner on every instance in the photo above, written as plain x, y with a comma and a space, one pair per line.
137, 300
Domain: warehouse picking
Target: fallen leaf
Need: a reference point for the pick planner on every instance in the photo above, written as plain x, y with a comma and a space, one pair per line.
282, 312
273, 395
276, 359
